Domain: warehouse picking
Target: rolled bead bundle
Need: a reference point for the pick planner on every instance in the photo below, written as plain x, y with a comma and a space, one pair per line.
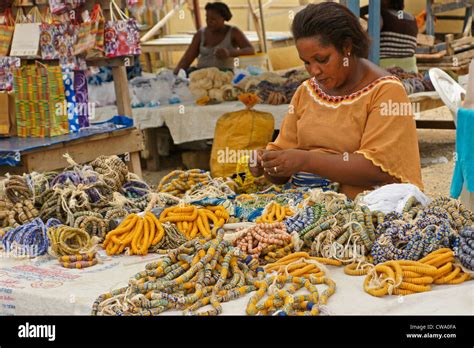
466, 250
192, 276
405, 277
261, 236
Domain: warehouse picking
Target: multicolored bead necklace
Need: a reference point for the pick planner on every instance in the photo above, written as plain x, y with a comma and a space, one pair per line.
194, 275
466, 250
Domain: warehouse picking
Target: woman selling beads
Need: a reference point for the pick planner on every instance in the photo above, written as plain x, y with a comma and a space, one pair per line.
218, 43
343, 124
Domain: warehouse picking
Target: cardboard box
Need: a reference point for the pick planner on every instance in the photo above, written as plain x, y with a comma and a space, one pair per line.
7, 115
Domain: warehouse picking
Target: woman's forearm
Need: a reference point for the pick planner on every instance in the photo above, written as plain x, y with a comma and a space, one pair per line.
184, 63
246, 51
349, 169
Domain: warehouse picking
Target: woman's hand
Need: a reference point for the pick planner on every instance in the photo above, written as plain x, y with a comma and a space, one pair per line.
284, 163
222, 53
255, 163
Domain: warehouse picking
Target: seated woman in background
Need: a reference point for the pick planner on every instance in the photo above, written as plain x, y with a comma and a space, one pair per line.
342, 125
218, 43
397, 36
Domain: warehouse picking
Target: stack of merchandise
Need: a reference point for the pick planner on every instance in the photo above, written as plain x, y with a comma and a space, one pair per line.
413, 82
51, 100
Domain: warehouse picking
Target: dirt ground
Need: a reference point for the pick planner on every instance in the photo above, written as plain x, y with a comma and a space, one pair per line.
436, 148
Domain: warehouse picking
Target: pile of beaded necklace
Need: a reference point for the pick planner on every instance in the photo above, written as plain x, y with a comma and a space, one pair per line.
28, 240
401, 240
192, 276
405, 277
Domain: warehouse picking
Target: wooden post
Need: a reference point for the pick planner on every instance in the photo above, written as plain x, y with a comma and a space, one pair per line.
134, 164
151, 141
262, 21
467, 27
121, 91
374, 30
430, 30
448, 39
197, 14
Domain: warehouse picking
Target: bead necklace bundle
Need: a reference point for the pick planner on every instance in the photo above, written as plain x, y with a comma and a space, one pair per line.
215, 188
466, 249
344, 230
28, 240
61, 202
92, 223
112, 171
308, 217
115, 213
74, 177
195, 222
136, 233
457, 214
192, 276
71, 242
14, 215
16, 189
40, 182
178, 182
300, 264
248, 207
257, 238
136, 189
79, 261
400, 240
405, 277
274, 252
275, 212
172, 239
281, 301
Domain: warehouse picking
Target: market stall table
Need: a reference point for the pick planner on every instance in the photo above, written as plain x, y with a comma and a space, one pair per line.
25, 155
41, 286
180, 42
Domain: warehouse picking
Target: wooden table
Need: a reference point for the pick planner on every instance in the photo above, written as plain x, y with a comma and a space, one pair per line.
180, 42
127, 141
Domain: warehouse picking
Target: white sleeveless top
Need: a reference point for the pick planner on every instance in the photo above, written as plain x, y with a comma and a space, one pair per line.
207, 59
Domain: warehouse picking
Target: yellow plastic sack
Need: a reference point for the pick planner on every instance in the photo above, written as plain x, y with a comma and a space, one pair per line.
237, 133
